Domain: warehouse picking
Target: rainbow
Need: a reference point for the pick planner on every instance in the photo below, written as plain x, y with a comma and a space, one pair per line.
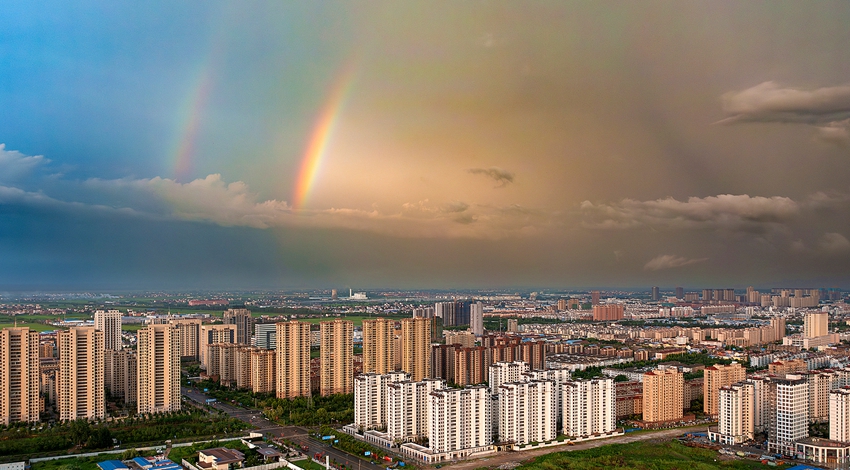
192, 110
320, 138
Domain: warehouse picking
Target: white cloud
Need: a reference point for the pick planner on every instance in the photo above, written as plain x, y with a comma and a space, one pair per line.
725, 211
14, 164
769, 102
669, 262
835, 133
834, 243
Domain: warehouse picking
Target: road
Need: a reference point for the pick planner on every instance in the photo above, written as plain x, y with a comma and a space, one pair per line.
296, 434
502, 458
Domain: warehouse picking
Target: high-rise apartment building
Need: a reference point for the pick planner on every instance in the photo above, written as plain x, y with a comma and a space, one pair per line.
559, 377
815, 324
19, 376
656, 294
839, 414
789, 418
80, 380
778, 324
464, 338
662, 395
120, 374
590, 407
527, 412
457, 417
416, 348
820, 382
715, 378
262, 370
189, 330
407, 408
265, 334
293, 359
241, 317
211, 334
370, 398
680, 292
336, 372
608, 312
736, 414
378, 346
109, 322
505, 372
159, 369
476, 318
595, 297
783, 368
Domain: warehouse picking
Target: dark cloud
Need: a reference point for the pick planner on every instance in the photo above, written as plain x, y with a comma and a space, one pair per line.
725, 211
500, 176
769, 102
670, 261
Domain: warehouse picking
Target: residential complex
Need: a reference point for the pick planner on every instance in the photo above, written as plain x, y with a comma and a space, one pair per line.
109, 322
19, 376
80, 383
378, 356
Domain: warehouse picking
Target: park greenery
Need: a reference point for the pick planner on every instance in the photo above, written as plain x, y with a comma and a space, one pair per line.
301, 411
671, 455
352, 445
684, 358
82, 435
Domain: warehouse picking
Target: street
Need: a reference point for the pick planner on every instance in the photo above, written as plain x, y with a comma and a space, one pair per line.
296, 434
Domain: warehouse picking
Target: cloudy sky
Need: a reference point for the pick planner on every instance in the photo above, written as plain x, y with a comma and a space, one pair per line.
424, 144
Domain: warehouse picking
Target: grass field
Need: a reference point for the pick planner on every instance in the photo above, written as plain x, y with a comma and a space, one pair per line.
670, 455
76, 463
34, 326
308, 465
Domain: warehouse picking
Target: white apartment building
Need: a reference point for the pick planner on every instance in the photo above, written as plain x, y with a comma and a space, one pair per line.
590, 406
455, 421
476, 318
370, 398
790, 413
560, 377
407, 409
735, 419
109, 322
506, 372
839, 415
527, 412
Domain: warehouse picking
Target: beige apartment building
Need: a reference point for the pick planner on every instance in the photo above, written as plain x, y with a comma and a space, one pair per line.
336, 347
783, 368
19, 375
262, 370
241, 317
159, 369
80, 383
715, 378
211, 334
416, 348
815, 324
109, 322
293, 359
120, 370
662, 395
378, 346
189, 330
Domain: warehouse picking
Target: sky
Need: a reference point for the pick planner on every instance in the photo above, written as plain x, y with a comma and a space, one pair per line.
424, 144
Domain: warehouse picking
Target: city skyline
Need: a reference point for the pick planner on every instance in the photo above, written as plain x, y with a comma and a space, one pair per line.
432, 145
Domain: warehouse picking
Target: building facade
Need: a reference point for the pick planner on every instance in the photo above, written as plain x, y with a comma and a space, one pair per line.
19, 376
378, 356
159, 369
590, 407
662, 395
241, 317
109, 322
336, 348
715, 378
293, 359
80, 383
416, 348
527, 412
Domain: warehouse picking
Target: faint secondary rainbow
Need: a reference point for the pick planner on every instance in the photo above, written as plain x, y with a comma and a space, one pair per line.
191, 123
319, 139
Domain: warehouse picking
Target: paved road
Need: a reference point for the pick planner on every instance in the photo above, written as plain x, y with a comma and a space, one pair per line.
296, 434
505, 457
